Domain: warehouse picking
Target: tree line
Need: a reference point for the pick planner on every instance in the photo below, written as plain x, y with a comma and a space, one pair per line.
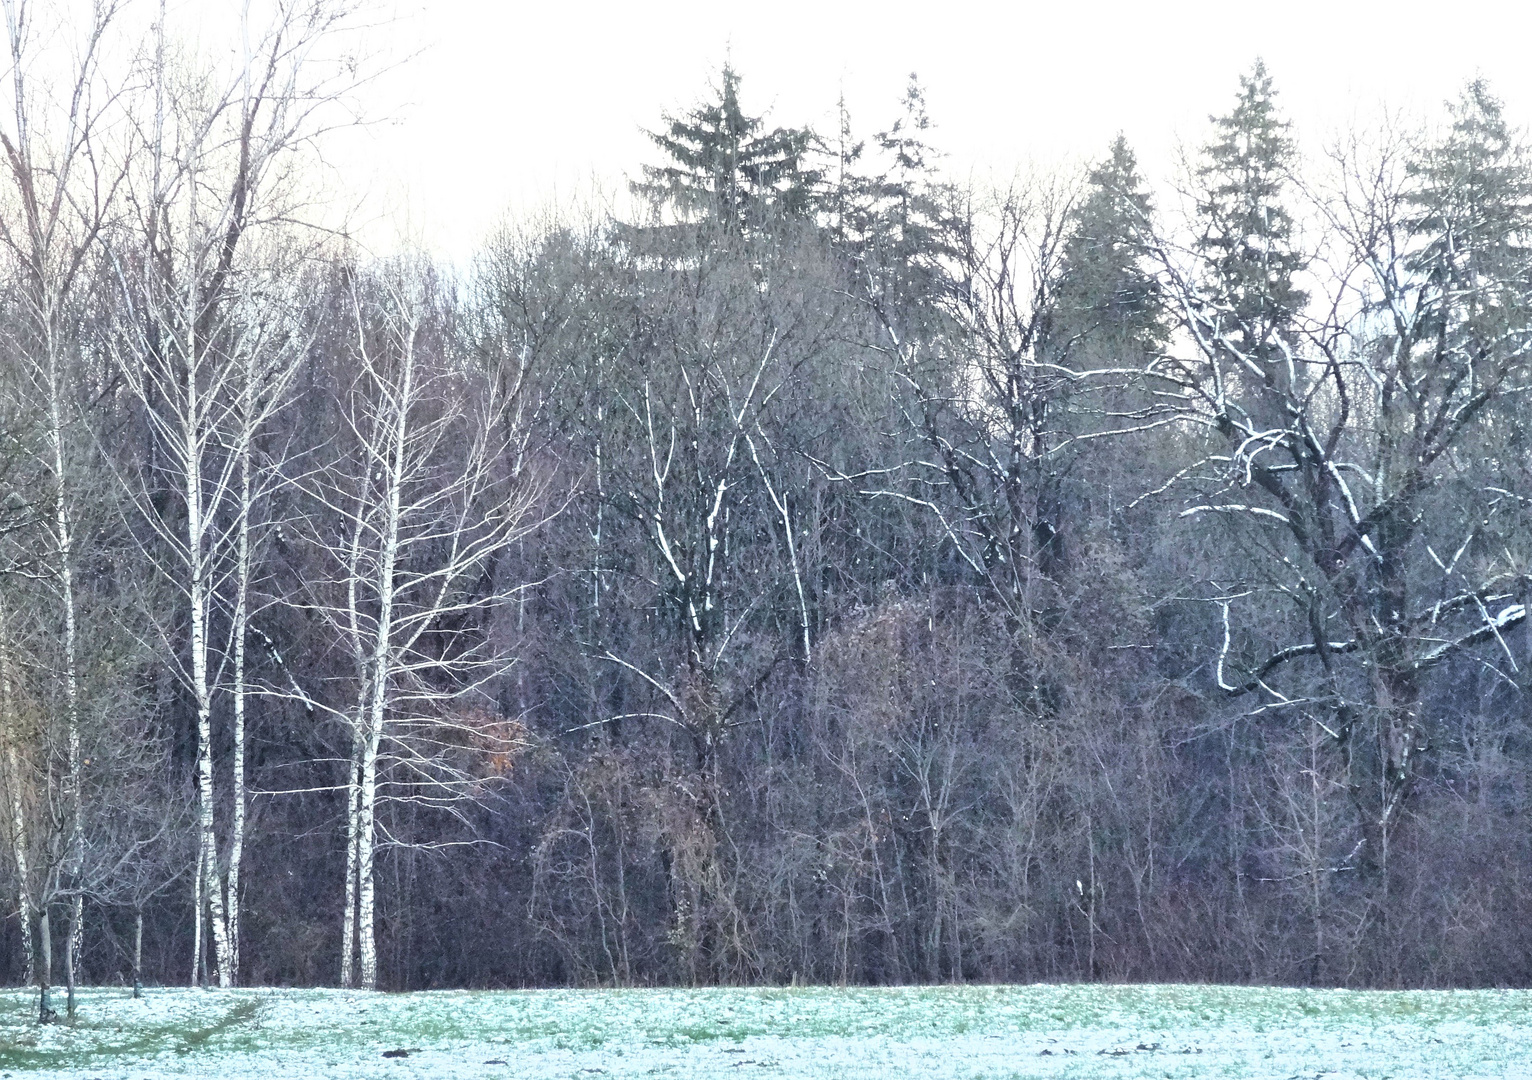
820, 570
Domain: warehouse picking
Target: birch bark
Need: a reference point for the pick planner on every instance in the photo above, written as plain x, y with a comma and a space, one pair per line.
197, 910
193, 433
372, 729
414, 514
58, 216
210, 355
240, 631
353, 842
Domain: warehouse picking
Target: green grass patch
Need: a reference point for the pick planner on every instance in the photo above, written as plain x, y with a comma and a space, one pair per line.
812, 1032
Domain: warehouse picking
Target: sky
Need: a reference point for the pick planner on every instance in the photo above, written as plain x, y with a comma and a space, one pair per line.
501, 109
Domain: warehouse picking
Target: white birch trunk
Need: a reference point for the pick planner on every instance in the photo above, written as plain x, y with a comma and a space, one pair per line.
241, 621
64, 540
353, 841
365, 914
64, 551
73, 863
197, 911
248, 423
354, 779
381, 671
197, 589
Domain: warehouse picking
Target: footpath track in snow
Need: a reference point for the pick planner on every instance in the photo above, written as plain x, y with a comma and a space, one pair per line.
944, 1032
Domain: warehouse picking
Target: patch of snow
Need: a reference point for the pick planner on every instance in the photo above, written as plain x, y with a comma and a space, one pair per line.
812, 1033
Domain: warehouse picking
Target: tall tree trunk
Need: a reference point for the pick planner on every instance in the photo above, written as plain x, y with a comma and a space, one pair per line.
353, 842
380, 669
64, 545
71, 953
63, 539
360, 650
241, 621
9, 723
45, 969
50, 255
197, 913
138, 952
365, 914
367, 771
197, 595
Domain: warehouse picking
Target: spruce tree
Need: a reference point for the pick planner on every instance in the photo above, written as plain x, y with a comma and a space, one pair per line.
906, 206
1472, 201
1105, 292
842, 207
724, 167
1246, 230
899, 225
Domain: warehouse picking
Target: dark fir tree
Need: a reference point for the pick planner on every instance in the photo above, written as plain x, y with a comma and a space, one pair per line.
1105, 291
723, 166
1246, 231
841, 207
905, 196
897, 225
1473, 209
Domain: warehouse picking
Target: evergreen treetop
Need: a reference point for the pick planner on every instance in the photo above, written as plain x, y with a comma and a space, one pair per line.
1473, 196
1104, 286
724, 166
1246, 229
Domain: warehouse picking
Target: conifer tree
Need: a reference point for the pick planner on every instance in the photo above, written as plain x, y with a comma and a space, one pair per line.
1473, 210
906, 195
900, 226
842, 209
724, 166
1105, 290
1246, 230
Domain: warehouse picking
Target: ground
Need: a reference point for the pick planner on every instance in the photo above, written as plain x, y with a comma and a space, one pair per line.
947, 1032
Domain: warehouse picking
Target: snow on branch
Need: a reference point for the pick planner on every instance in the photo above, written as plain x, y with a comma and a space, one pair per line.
1493, 627
1236, 508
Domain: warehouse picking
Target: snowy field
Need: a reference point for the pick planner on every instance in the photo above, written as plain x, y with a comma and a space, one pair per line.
956, 1032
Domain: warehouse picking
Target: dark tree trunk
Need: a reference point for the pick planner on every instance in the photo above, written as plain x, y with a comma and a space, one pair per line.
69, 957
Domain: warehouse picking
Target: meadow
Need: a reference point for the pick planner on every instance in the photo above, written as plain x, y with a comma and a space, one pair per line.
817, 1032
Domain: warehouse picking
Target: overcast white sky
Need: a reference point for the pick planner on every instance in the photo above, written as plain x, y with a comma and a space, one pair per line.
510, 105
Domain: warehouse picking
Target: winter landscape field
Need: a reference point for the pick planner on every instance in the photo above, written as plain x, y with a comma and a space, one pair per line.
1001, 1031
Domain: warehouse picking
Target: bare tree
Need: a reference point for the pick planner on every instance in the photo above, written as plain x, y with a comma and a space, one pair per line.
1341, 431
415, 510
217, 178
62, 190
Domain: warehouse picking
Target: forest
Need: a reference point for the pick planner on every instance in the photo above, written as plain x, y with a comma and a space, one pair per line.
816, 570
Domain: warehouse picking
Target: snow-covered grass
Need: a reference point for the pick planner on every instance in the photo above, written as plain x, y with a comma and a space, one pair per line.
948, 1032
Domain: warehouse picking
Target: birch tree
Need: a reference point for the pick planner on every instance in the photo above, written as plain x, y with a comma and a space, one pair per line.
61, 186
413, 513
220, 168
